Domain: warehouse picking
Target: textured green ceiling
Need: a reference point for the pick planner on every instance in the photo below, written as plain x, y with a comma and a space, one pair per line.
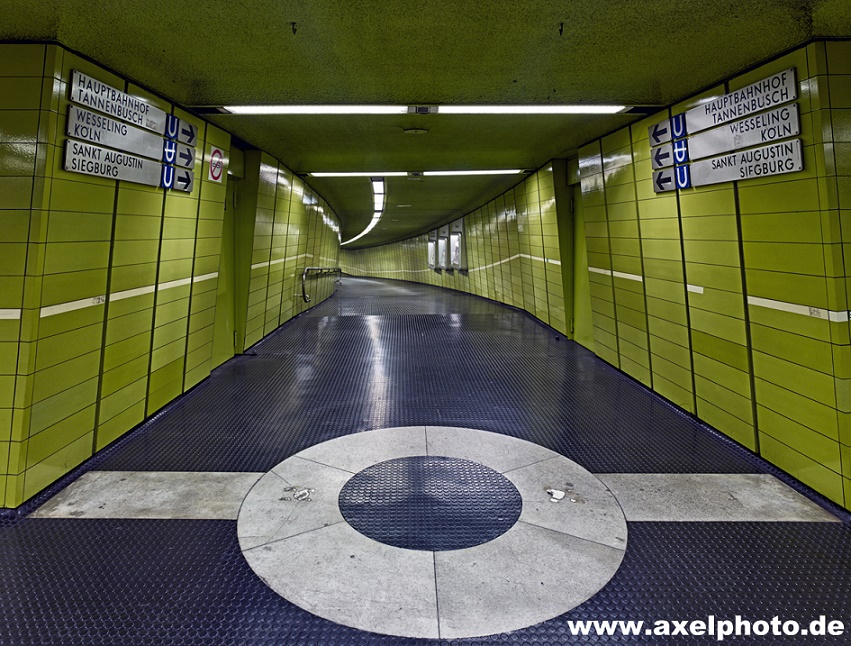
631, 52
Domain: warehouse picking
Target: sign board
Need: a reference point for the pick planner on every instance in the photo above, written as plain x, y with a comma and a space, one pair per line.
662, 156
175, 153
763, 128
457, 226
756, 97
775, 159
432, 253
93, 94
181, 130
216, 167
659, 133
442, 258
181, 179
102, 130
443, 232
81, 157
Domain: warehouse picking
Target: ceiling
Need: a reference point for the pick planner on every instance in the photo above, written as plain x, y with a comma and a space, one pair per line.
424, 52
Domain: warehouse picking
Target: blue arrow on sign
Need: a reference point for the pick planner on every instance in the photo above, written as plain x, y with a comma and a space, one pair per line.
660, 155
186, 156
187, 131
663, 180
659, 133
185, 180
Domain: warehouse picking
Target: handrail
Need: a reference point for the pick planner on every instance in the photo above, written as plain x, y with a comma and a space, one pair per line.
321, 270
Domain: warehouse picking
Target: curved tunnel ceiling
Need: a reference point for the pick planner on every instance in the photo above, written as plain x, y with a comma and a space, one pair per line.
636, 53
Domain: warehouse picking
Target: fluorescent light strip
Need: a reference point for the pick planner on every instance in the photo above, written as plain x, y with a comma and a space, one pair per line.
317, 109
447, 173
362, 174
443, 109
530, 109
370, 227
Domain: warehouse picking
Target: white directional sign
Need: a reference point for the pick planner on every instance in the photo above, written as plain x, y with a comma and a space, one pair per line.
99, 129
175, 153
104, 98
178, 178
759, 129
81, 157
659, 133
775, 159
181, 130
762, 95
84, 158
662, 156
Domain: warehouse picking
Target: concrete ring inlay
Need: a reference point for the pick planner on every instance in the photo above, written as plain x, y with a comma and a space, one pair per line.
553, 558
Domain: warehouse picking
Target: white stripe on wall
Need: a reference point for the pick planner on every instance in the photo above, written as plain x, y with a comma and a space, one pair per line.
130, 293
840, 316
62, 308
10, 314
598, 270
622, 274
697, 289
278, 261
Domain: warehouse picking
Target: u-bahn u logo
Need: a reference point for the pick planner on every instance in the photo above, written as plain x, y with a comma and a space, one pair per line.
172, 126
682, 176
678, 126
680, 151
169, 151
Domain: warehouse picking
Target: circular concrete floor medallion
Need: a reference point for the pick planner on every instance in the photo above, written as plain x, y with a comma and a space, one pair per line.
433, 532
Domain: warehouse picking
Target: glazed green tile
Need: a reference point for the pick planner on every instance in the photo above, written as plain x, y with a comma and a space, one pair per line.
671, 351
792, 347
719, 417
626, 247
65, 226
734, 403
87, 196
62, 257
73, 286
671, 331
133, 277
110, 430
633, 335
56, 465
840, 91
176, 229
719, 302
718, 325
176, 249
129, 348
57, 378
661, 249
712, 252
61, 347
57, 437
722, 348
120, 399
803, 410
810, 383
53, 409
17, 159
707, 202
794, 323
789, 288
175, 270
808, 471
19, 126
21, 93
17, 192
666, 290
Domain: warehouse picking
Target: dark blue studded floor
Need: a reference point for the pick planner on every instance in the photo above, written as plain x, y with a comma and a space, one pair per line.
384, 354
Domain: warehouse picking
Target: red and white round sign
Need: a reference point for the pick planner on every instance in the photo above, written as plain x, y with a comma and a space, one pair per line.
216, 167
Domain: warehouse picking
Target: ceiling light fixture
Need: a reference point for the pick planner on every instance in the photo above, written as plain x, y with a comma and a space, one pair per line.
419, 110
316, 109
446, 173
531, 109
361, 174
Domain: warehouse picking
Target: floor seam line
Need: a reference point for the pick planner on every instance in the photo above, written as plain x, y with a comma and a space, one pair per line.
586, 540
286, 538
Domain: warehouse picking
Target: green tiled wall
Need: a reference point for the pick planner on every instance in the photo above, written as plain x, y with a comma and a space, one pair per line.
108, 289
773, 380
678, 280
512, 248
290, 228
